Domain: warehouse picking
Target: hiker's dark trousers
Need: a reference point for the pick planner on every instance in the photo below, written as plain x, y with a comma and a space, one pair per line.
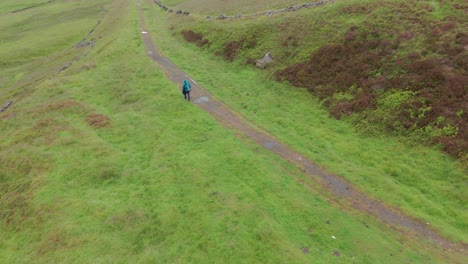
187, 95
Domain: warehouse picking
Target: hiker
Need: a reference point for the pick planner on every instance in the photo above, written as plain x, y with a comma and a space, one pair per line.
186, 87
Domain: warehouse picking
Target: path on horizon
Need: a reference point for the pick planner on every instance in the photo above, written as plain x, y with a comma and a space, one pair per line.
339, 188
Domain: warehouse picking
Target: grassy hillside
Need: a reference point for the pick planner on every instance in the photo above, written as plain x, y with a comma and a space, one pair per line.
13, 6
421, 180
396, 67
101, 160
229, 7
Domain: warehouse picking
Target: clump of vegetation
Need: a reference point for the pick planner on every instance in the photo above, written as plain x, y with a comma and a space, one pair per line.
232, 48
98, 120
191, 36
367, 68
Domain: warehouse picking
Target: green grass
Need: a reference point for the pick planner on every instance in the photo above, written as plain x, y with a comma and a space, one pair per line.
162, 181
9, 6
210, 7
422, 181
27, 54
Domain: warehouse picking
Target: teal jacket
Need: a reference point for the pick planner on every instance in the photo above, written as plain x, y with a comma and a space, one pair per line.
186, 87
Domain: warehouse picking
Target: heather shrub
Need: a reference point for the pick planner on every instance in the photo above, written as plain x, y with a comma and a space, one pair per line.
191, 36
232, 48
406, 93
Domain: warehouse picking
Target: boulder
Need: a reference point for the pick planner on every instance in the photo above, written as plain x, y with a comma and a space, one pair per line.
264, 61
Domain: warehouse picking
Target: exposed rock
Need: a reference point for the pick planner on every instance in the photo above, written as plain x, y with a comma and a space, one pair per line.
6, 106
264, 61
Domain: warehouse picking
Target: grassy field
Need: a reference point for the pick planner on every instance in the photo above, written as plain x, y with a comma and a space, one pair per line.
420, 180
210, 7
104, 162
13, 6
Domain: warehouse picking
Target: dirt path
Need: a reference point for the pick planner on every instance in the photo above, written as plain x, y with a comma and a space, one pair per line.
341, 190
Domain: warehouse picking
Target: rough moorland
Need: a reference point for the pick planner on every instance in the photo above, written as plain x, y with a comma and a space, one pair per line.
397, 67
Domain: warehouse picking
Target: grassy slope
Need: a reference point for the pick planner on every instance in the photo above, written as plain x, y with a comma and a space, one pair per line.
420, 180
417, 40
9, 6
229, 7
160, 180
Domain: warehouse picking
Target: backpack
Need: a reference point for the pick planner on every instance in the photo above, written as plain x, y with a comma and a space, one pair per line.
186, 87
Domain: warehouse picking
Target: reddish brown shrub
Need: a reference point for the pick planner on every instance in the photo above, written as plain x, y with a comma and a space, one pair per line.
365, 66
342, 108
455, 50
413, 56
350, 36
193, 37
461, 60
364, 100
230, 50
448, 26
461, 38
453, 145
251, 61
406, 35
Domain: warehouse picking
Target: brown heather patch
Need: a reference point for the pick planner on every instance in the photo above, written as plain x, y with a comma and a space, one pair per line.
98, 120
232, 48
406, 35
191, 36
365, 66
251, 61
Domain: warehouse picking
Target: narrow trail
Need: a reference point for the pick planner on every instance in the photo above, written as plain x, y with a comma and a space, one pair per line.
331, 184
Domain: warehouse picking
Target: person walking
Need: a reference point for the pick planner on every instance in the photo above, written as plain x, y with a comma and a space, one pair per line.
186, 87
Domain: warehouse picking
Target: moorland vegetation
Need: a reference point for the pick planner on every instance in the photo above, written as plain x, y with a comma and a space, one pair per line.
395, 67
